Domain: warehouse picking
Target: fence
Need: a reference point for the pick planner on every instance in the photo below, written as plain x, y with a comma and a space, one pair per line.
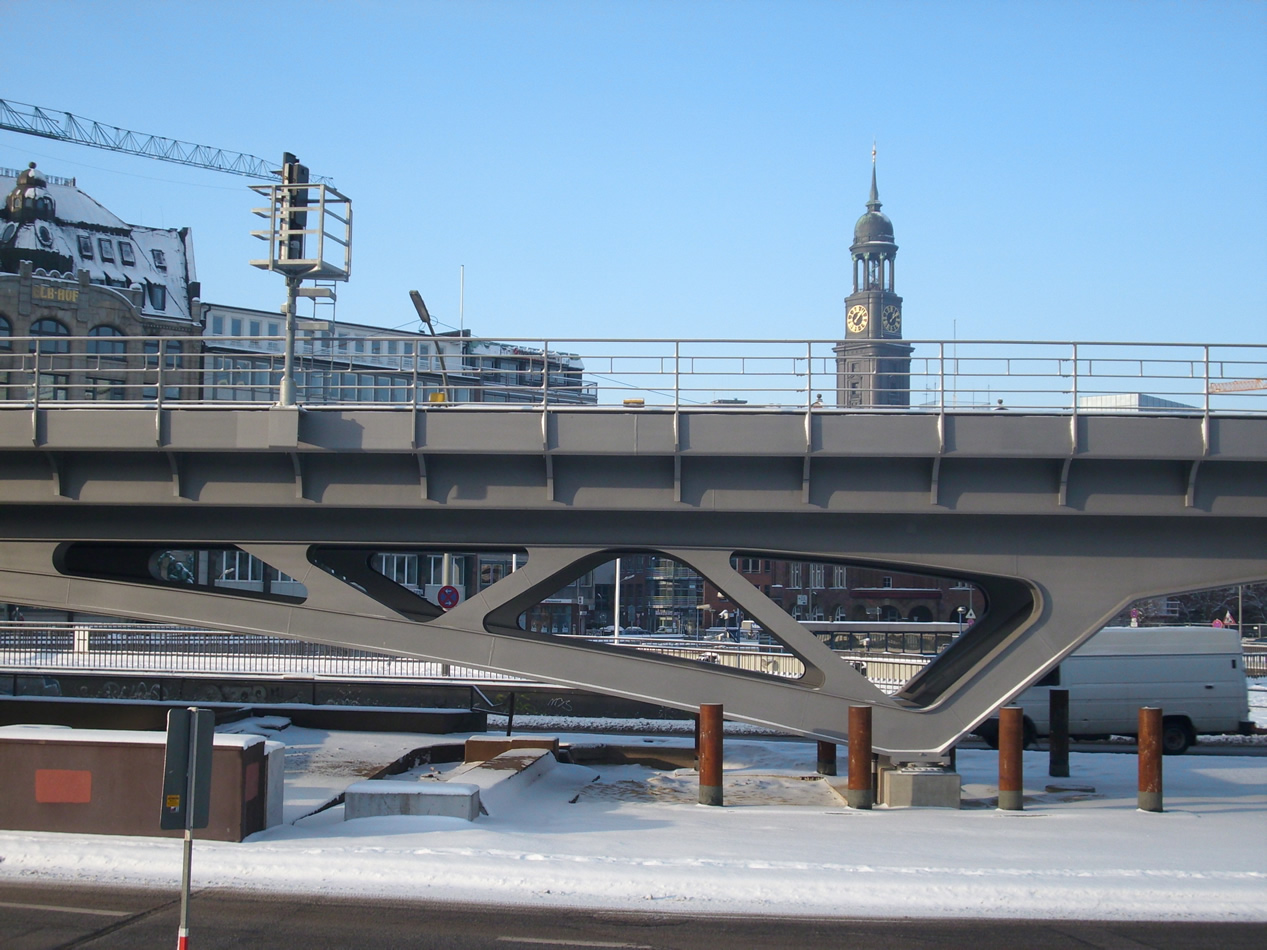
150, 649
393, 371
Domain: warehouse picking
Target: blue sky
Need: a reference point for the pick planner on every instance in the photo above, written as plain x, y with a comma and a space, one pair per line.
1071, 171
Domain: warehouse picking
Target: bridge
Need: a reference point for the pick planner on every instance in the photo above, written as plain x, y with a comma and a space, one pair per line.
1133, 472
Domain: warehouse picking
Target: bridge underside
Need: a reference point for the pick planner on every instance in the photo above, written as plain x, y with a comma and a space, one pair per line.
1058, 543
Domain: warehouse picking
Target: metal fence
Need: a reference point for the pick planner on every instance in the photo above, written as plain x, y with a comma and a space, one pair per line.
37, 647
143, 648
737, 375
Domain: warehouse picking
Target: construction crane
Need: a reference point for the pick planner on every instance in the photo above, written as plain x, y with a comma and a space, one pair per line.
66, 127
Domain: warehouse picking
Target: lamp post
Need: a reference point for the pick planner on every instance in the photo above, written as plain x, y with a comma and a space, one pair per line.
959, 612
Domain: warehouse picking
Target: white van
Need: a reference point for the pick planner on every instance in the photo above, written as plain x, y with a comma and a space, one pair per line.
1195, 674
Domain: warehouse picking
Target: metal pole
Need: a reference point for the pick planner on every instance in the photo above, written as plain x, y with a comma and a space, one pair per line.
826, 758
616, 605
710, 754
1150, 734
287, 395
1011, 769
859, 792
1058, 740
182, 935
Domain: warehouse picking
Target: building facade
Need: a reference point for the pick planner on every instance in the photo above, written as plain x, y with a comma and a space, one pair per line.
84, 286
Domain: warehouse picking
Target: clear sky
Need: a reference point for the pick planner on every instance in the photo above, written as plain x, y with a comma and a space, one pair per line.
1070, 171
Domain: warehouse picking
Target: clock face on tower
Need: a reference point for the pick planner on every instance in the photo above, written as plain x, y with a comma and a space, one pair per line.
892, 319
856, 319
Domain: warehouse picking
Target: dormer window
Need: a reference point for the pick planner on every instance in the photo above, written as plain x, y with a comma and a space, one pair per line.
106, 247
85, 247
158, 296
160, 259
125, 253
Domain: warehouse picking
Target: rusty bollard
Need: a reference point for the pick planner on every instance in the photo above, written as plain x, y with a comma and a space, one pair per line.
1011, 770
1150, 733
859, 792
826, 758
1058, 740
710, 753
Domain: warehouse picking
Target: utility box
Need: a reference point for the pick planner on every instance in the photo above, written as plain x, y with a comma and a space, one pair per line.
108, 782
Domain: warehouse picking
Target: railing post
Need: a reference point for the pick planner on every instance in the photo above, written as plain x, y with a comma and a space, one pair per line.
859, 791
826, 758
809, 374
545, 374
1011, 770
710, 754
1058, 740
677, 374
1150, 735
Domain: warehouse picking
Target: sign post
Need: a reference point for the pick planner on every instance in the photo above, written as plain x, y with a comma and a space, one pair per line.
187, 789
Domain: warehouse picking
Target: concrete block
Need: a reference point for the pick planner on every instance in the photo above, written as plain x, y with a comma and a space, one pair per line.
385, 797
919, 788
483, 748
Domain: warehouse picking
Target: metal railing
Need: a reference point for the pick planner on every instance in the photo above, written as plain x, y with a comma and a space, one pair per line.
37, 647
733, 375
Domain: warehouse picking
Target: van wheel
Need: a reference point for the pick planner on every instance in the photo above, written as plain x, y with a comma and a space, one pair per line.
1029, 735
1176, 736
988, 732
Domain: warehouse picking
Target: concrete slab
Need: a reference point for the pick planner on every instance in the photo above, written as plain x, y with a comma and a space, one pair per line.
383, 797
502, 777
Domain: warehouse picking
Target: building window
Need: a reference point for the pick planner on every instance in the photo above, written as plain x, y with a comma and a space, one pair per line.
838, 579
817, 576
217, 326
886, 581
106, 247
53, 386
125, 253
6, 330
160, 259
85, 247
106, 342
105, 389
158, 295
794, 575
48, 327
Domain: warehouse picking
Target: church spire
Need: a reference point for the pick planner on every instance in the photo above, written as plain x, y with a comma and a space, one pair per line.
873, 202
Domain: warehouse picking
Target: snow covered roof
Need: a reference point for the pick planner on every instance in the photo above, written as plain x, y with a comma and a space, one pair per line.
77, 232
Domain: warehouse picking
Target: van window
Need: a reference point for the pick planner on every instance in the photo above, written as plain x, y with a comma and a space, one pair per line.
1052, 678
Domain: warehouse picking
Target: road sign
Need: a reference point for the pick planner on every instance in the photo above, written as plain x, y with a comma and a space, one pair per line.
448, 597
187, 789
187, 769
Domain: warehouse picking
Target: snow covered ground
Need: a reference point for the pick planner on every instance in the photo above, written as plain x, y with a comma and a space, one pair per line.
633, 838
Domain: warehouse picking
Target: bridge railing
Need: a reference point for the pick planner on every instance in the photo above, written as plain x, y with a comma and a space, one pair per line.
733, 375
38, 647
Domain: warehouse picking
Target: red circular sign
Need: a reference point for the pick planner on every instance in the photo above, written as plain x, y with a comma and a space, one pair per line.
448, 597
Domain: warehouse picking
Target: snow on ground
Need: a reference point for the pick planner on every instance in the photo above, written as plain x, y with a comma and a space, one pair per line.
636, 839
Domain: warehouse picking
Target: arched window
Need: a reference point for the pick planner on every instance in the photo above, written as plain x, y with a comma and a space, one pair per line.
107, 342
48, 327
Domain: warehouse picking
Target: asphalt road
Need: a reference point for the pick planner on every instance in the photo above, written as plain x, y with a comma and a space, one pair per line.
36, 916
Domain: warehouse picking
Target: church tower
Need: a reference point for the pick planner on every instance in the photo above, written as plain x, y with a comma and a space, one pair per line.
872, 369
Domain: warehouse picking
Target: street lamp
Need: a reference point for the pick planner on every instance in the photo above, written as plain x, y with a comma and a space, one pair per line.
959, 612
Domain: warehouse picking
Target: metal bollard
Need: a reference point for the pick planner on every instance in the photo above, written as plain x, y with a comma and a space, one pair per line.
826, 758
1150, 733
1058, 740
710, 753
1011, 770
859, 790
